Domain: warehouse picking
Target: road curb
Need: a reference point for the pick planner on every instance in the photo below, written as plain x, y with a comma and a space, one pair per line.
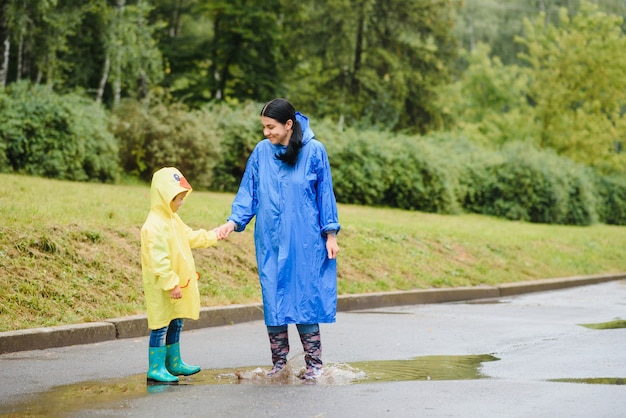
137, 325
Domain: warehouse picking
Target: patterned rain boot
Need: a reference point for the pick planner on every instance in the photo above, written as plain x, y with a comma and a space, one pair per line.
312, 345
279, 344
157, 372
175, 365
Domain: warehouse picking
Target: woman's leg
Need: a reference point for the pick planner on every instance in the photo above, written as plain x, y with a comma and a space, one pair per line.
312, 345
279, 346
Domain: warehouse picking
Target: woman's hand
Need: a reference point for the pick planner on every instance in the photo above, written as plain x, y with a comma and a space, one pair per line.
331, 246
223, 231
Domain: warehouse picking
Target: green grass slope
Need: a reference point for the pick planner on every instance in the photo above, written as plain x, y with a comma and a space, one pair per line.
70, 252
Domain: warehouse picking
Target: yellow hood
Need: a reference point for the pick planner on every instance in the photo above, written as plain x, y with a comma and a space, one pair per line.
166, 184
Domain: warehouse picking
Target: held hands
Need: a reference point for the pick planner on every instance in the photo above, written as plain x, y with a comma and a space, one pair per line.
223, 231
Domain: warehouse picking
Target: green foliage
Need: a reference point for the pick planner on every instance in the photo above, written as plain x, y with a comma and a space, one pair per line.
611, 192
55, 136
160, 135
530, 185
384, 169
418, 176
358, 168
569, 97
488, 102
239, 128
372, 63
577, 76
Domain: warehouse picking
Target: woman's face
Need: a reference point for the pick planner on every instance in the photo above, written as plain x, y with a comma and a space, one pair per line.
275, 131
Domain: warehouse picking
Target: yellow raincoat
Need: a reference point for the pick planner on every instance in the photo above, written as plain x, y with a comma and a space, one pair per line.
166, 258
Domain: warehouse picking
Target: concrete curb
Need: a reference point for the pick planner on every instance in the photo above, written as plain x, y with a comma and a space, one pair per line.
137, 325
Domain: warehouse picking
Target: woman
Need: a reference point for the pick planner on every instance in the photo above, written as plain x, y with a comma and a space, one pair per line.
287, 185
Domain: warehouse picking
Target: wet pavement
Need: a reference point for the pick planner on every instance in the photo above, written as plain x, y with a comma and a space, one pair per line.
555, 353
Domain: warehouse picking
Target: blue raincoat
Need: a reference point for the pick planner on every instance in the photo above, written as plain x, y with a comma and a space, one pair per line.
294, 208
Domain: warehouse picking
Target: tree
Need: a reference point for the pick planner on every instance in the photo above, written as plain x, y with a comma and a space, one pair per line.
488, 103
132, 58
371, 62
577, 74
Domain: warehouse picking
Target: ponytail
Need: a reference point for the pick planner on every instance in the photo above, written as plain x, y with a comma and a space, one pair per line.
290, 156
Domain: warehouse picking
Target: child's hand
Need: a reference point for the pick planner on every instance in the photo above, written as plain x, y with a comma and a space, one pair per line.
176, 293
219, 234
223, 231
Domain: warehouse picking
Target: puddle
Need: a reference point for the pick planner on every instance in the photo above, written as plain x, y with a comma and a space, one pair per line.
594, 380
61, 400
618, 323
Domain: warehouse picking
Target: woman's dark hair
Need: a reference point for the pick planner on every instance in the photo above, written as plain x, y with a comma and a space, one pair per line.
281, 110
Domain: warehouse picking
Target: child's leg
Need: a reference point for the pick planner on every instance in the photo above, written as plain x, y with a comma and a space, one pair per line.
174, 330
156, 358
157, 337
173, 361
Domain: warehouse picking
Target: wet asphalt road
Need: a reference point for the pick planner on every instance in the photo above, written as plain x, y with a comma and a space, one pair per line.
528, 345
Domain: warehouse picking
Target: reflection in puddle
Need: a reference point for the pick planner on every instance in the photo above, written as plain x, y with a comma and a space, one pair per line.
594, 380
618, 323
61, 400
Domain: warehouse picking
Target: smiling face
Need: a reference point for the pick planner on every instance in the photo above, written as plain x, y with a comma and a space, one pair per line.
275, 131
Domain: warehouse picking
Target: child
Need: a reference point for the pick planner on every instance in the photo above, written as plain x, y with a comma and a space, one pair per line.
169, 274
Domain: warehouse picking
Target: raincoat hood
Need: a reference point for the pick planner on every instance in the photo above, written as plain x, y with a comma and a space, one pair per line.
307, 132
166, 184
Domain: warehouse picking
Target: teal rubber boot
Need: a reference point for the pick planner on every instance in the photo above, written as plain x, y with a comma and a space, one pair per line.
175, 365
158, 372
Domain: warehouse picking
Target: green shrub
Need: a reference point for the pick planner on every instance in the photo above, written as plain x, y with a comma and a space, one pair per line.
239, 129
358, 169
378, 168
160, 135
611, 197
420, 178
49, 135
530, 185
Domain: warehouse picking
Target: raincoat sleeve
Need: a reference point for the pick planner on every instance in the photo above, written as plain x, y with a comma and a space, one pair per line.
201, 238
326, 202
245, 204
159, 254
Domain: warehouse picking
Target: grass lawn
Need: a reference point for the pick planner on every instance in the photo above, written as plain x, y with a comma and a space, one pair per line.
69, 252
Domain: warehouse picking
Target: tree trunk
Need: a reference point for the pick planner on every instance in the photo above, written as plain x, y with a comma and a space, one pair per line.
117, 84
103, 80
4, 69
20, 59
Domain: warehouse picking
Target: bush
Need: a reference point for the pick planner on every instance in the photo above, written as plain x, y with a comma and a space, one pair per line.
358, 169
240, 130
49, 135
530, 185
611, 197
378, 168
156, 136
420, 178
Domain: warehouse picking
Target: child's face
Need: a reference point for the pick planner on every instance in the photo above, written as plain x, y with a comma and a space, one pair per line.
178, 201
